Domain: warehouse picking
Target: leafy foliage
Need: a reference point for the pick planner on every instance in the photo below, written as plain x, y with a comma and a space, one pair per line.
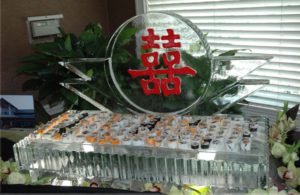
46, 73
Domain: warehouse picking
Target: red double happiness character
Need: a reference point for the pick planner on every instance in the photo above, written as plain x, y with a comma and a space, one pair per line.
171, 84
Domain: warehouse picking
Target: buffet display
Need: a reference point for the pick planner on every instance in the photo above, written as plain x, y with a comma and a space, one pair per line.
168, 71
221, 150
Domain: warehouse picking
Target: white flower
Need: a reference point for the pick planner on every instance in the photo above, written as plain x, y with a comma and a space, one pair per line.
16, 178
278, 150
294, 156
287, 157
274, 191
293, 192
258, 192
281, 126
291, 123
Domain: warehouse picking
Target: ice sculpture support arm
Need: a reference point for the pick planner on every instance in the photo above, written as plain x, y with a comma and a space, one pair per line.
85, 97
68, 64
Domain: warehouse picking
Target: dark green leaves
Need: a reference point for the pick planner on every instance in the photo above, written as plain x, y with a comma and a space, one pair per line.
32, 84
46, 73
68, 43
125, 36
30, 68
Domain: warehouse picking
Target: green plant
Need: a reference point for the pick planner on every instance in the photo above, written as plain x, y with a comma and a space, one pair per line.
46, 73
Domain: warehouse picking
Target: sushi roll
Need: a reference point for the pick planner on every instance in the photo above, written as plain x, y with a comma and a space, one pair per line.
101, 141
66, 137
184, 122
159, 141
115, 141
120, 135
150, 141
205, 145
236, 134
230, 145
115, 127
198, 136
246, 144
246, 134
220, 133
183, 144
195, 145
220, 138
57, 137
186, 135
253, 127
90, 139
193, 130
208, 137
107, 136
172, 142
216, 144
92, 127
79, 138
136, 141
126, 140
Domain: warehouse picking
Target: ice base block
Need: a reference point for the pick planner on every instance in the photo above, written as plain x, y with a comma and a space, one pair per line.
220, 168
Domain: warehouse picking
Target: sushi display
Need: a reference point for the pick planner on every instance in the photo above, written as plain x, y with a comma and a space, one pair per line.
218, 133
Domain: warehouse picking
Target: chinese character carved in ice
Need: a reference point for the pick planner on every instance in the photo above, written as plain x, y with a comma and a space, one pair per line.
171, 84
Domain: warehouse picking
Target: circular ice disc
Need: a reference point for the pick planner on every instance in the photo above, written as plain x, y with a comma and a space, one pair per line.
159, 63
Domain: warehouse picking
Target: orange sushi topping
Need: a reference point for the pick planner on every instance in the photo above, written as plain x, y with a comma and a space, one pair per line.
150, 141
158, 132
101, 141
115, 141
40, 131
184, 122
192, 129
57, 137
107, 136
90, 139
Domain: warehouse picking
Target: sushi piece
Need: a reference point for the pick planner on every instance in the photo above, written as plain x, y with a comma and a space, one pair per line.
220, 133
220, 138
115, 141
66, 137
126, 141
185, 135
246, 144
231, 146
150, 141
79, 138
159, 141
208, 137
253, 127
246, 134
101, 141
107, 136
90, 139
183, 144
57, 137
137, 141
216, 144
195, 145
172, 142
205, 145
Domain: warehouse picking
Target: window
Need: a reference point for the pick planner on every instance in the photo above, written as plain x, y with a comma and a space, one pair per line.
263, 26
